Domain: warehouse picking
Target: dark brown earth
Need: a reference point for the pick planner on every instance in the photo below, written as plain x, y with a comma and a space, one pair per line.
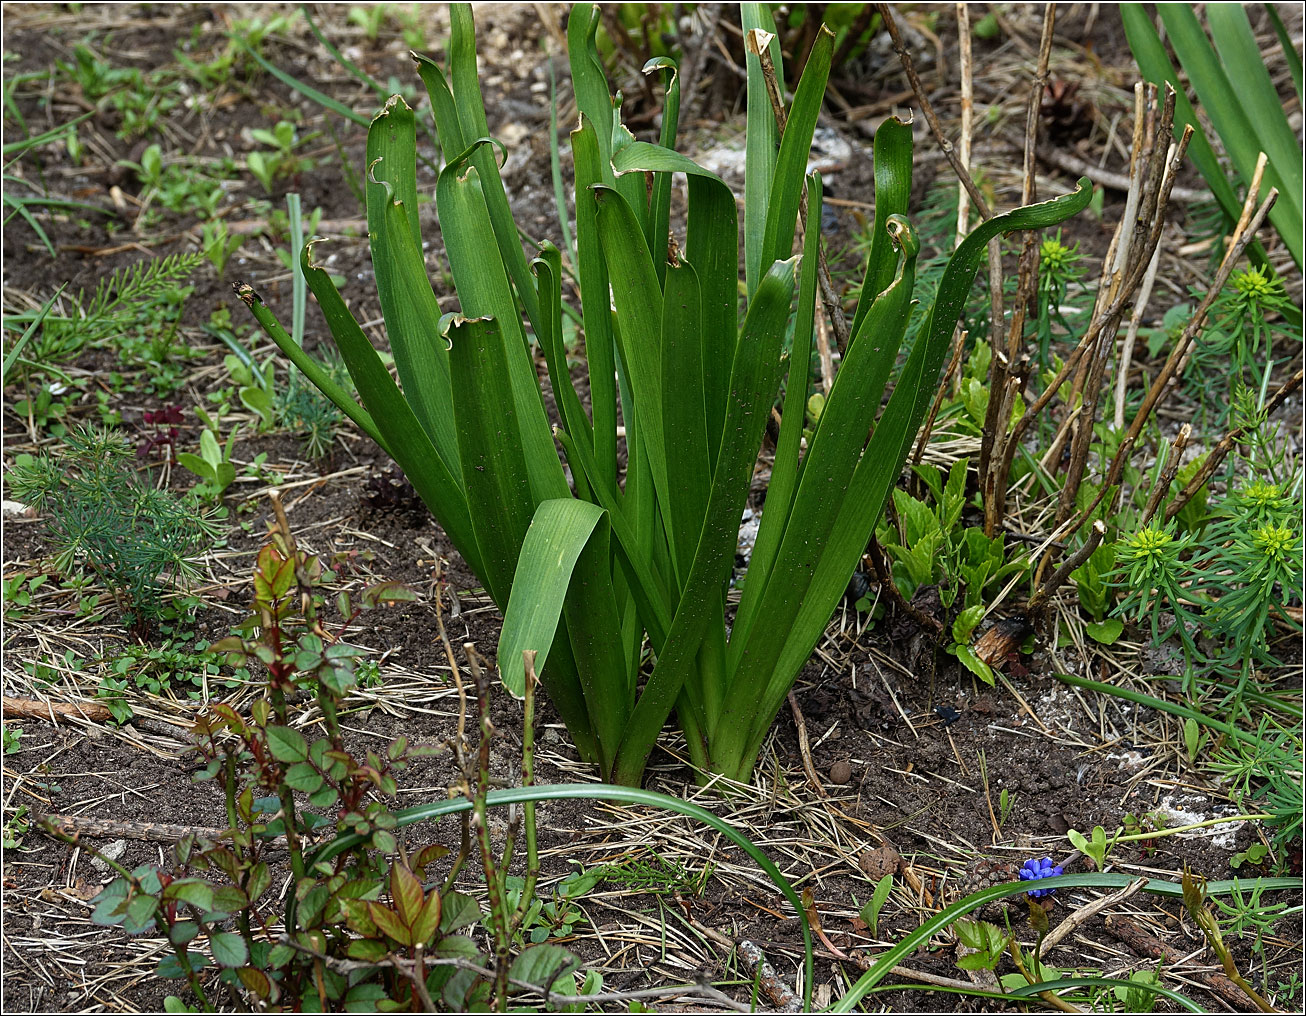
874, 699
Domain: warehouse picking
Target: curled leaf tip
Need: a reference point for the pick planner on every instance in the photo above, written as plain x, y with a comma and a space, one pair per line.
757, 40
246, 292
308, 251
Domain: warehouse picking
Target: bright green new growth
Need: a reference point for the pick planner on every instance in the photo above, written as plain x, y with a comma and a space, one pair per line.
641, 561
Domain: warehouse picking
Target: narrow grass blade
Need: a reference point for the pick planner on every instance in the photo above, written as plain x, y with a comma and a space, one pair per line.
555, 167
11, 357
887, 960
299, 293
1289, 50
1074, 983
308, 91
591, 792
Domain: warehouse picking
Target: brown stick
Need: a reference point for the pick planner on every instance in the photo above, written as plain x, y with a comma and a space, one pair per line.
1149, 945
932, 118
35, 709
805, 747
73, 826
1040, 599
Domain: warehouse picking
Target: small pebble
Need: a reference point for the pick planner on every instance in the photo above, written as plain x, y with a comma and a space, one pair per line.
112, 851
840, 773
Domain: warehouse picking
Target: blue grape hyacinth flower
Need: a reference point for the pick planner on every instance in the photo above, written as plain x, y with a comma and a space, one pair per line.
1034, 869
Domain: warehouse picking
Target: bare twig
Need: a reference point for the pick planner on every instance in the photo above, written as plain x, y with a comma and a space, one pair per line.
1168, 472
931, 117
1039, 601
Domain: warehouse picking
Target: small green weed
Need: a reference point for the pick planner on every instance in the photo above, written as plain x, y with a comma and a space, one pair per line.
102, 519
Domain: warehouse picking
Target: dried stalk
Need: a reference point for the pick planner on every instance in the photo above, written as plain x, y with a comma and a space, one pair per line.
1039, 601
1173, 460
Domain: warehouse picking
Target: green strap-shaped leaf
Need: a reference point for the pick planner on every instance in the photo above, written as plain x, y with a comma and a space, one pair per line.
882, 461
309, 367
763, 141
684, 422
795, 147
1156, 67
548, 273
483, 289
660, 201
755, 375
600, 351
893, 159
832, 458
712, 247
448, 128
637, 300
1253, 101
784, 470
495, 473
565, 561
590, 84
466, 84
408, 304
436, 481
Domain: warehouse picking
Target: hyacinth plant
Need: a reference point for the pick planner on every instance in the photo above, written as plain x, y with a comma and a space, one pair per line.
617, 578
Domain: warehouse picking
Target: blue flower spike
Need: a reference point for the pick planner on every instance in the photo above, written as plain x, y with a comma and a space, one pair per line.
1034, 869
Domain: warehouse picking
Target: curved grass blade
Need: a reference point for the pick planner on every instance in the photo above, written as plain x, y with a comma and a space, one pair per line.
592, 792
885, 961
11, 357
660, 200
1071, 983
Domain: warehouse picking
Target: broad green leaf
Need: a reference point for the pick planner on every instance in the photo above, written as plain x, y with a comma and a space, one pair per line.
229, 949
893, 165
494, 463
484, 291
287, 744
